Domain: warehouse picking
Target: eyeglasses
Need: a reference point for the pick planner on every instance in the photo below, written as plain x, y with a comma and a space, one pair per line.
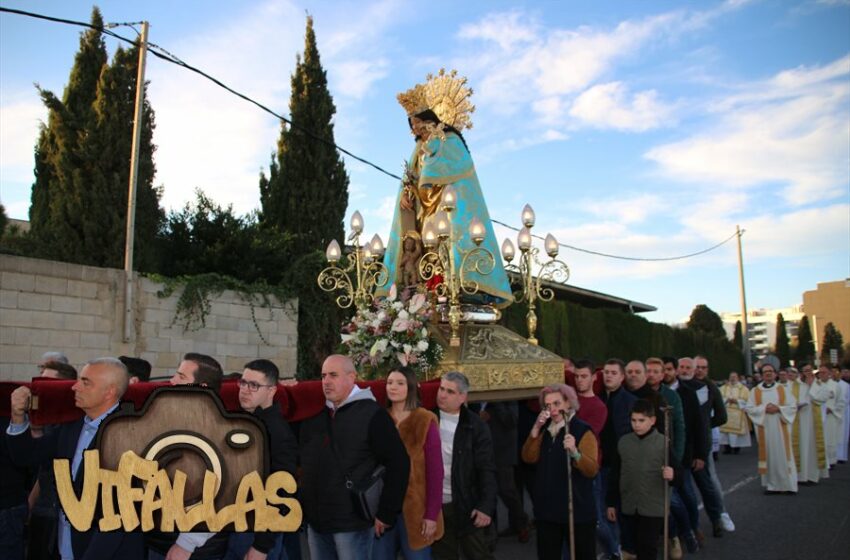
252, 386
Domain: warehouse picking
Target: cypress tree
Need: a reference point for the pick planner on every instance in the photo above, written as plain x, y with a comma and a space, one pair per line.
805, 346
306, 192
110, 146
305, 196
57, 158
782, 350
82, 162
4, 220
738, 336
832, 340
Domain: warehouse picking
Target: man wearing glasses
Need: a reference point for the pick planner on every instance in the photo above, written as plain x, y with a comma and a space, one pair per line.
257, 388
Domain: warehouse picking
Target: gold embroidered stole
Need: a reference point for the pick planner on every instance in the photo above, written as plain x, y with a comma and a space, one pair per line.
780, 390
820, 442
795, 430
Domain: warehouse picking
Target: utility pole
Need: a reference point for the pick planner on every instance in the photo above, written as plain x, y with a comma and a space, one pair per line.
134, 178
745, 342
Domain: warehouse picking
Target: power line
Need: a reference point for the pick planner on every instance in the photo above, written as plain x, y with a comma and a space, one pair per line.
621, 257
165, 55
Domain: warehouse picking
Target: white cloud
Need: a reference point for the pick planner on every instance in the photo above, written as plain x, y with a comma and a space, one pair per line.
210, 139
354, 78
563, 75
812, 232
490, 151
507, 30
624, 209
610, 106
20, 120
790, 130
545, 64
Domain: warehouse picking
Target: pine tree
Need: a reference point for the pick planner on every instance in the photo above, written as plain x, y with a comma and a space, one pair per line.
805, 346
738, 337
832, 340
305, 196
782, 350
82, 163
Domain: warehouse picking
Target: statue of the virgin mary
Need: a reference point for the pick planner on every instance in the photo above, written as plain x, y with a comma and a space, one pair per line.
437, 111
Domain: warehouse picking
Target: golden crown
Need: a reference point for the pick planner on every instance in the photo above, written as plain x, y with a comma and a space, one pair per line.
446, 94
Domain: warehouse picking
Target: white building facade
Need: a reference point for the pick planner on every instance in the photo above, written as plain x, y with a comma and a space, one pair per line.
761, 326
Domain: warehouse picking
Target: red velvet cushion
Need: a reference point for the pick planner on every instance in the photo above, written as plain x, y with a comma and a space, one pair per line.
56, 400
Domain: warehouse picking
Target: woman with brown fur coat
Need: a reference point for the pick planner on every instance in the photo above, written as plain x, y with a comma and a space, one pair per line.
421, 522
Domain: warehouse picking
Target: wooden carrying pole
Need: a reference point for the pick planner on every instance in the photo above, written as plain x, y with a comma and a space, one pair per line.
666, 484
570, 496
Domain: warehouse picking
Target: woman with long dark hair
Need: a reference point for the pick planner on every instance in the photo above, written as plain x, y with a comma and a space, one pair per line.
421, 522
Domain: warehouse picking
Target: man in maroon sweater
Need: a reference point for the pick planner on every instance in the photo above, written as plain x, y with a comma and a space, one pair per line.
591, 408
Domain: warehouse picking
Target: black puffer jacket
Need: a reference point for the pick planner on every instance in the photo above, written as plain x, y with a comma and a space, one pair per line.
473, 470
365, 437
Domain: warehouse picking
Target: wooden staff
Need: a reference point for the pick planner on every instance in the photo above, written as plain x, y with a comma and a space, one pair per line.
666, 410
570, 496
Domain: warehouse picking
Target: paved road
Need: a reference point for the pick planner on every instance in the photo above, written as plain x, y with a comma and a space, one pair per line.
814, 525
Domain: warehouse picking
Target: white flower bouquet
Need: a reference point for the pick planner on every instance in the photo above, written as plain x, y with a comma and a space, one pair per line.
391, 332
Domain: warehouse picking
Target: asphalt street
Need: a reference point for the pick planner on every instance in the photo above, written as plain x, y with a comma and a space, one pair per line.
813, 525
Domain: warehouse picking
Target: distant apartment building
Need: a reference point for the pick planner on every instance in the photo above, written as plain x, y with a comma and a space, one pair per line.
828, 303
761, 326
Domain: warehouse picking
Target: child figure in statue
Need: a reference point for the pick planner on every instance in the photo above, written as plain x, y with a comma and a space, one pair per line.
409, 264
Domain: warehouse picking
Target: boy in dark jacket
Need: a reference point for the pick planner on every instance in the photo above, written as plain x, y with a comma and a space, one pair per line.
639, 476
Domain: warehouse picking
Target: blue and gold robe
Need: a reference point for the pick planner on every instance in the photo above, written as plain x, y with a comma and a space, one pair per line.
440, 161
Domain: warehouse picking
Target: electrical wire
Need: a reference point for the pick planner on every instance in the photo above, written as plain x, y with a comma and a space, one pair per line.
624, 258
165, 55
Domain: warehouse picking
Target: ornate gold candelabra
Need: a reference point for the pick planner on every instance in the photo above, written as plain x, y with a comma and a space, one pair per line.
533, 288
361, 264
440, 260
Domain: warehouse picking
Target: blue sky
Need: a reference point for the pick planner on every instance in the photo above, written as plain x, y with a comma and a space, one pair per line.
646, 129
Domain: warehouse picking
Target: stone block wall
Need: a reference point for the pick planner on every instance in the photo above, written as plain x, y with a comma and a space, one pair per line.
79, 310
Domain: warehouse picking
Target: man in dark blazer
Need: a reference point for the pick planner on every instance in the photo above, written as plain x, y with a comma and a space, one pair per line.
97, 392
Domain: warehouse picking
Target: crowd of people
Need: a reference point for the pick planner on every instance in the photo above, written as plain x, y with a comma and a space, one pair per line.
613, 460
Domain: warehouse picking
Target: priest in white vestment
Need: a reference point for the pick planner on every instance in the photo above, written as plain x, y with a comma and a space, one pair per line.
834, 407
735, 433
839, 414
844, 444
807, 433
772, 409
820, 391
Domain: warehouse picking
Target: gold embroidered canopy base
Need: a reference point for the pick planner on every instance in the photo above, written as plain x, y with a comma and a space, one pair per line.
499, 363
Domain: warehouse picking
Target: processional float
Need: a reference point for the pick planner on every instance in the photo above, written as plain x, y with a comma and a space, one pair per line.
441, 278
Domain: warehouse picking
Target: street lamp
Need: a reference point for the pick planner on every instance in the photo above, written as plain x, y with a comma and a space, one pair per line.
362, 264
440, 261
553, 270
